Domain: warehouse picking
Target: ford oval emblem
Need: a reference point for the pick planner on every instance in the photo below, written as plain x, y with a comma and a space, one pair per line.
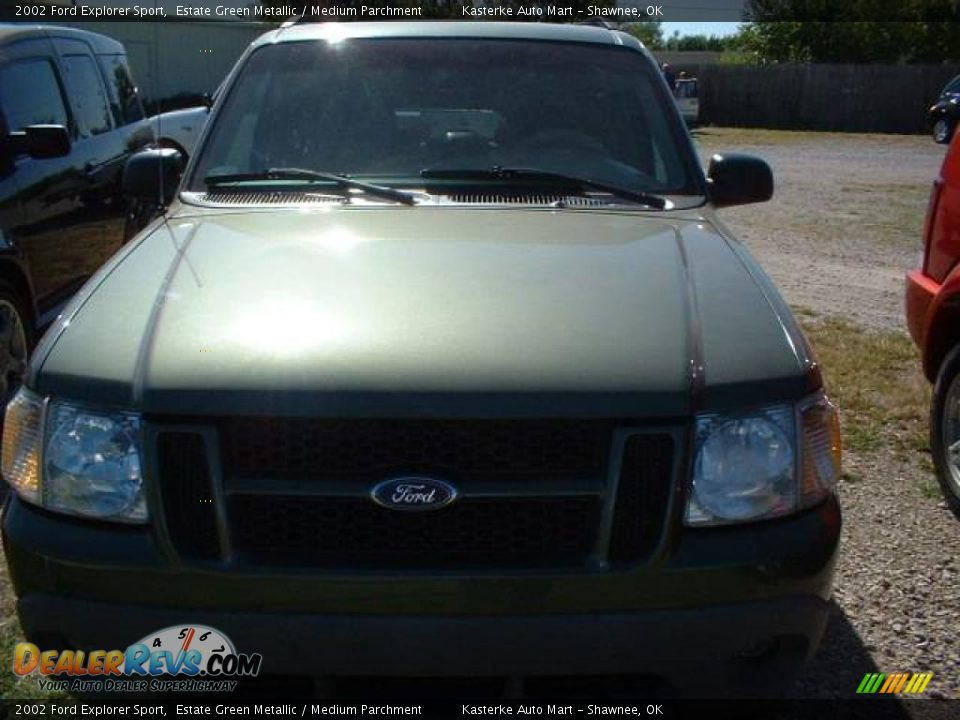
413, 493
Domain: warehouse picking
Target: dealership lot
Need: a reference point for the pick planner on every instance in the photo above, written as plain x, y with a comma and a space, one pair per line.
852, 206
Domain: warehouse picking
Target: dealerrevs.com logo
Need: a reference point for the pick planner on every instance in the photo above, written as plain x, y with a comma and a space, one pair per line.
190, 658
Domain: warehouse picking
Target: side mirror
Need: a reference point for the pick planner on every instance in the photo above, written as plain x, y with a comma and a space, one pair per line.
41, 141
153, 175
739, 180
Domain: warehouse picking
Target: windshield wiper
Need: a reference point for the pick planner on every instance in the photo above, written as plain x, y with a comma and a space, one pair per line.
507, 174
341, 181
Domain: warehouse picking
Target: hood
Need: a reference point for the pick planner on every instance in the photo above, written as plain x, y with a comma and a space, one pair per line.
426, 311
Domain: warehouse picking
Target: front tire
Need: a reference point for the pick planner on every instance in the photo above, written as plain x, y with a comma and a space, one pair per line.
945, 429
16, 340
943, 131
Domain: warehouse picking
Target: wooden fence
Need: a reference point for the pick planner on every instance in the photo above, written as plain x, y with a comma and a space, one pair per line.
848, 98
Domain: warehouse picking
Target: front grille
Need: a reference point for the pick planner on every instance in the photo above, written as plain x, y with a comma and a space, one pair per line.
353, 532
188, 505
458, 450
642, 496
533, 493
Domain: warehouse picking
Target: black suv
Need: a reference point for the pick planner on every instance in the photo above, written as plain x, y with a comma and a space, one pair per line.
69, 118
945, 112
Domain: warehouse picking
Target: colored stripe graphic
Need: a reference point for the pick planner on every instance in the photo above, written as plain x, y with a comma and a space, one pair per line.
921, 682
870, 683
894, 683
903, 681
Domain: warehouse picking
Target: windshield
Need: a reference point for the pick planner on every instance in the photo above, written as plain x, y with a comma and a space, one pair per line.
388, 109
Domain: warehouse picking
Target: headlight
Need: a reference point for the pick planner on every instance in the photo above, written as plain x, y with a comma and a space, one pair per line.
753, 466
87, 463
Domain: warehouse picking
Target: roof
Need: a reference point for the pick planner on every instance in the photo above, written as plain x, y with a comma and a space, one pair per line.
12, 32
556, 32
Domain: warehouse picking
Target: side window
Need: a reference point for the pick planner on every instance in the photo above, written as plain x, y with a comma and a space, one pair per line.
87, 94
124, 101
30, 94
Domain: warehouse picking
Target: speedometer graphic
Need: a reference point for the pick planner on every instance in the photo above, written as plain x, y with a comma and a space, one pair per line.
183, 638
187, 649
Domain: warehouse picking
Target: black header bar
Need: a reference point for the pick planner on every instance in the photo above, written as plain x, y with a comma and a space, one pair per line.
225, 706
611, 11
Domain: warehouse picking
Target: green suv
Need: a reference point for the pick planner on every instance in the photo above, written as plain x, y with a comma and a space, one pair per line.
437, 363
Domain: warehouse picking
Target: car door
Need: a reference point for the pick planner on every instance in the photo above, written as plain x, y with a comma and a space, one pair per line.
133, 132
10, 206
100, 151
49, 215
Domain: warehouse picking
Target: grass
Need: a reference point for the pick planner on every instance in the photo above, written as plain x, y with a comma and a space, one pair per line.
768, 136
12, 686
757, 136
876, 380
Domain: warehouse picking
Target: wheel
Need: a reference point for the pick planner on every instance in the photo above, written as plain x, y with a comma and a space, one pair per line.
16, 341
945, 429
943, 131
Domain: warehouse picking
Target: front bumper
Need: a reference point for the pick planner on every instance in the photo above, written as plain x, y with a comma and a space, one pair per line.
734, 650
733, 610
920, 292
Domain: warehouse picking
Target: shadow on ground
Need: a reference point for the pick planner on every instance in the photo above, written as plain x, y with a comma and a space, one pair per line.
838, 668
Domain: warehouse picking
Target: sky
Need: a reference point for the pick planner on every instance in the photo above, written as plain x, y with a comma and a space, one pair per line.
700, 28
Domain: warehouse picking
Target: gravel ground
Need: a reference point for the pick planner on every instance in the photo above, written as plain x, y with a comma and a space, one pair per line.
845, 219
844, 225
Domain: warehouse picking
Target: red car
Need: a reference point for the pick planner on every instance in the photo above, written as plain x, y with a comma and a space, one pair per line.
933, 316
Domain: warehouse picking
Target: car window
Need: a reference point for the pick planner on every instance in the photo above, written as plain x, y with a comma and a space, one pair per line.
124, 101
393, 107
686, 89
87, 94
30, 94
953, 86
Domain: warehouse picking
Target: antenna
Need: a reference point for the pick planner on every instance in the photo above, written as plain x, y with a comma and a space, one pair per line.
160, 161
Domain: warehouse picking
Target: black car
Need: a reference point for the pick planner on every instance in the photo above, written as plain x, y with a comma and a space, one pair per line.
70, 116
945, 112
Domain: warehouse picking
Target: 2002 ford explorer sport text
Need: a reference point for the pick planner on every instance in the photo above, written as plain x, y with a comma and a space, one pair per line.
438, 363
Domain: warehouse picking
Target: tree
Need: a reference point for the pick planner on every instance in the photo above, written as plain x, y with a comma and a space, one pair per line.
856, 31
650, 33
691, 43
